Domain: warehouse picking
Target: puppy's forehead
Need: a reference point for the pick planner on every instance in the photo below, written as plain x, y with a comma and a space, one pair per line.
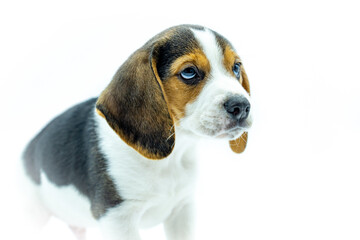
209, 45
186, 39
218, 50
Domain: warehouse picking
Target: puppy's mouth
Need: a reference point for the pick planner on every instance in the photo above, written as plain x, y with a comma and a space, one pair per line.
233, 130
220, 127
230, 134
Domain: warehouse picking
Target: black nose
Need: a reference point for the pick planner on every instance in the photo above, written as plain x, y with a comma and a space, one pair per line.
238, 107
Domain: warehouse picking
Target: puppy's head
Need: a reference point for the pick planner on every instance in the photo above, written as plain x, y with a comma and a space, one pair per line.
187, 76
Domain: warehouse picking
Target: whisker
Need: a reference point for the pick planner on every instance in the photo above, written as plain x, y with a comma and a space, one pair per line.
170, 136
244, 139
172, 132
237, 142
171, 129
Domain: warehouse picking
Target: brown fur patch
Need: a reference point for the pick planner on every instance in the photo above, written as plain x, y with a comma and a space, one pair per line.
178, 93
196, 58
244, 80
230, 58
238, 145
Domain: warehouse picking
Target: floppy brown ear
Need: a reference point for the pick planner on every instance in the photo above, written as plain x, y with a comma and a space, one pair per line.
238, 145
135, 107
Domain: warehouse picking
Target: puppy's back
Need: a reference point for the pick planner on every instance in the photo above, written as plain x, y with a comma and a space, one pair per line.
61, 148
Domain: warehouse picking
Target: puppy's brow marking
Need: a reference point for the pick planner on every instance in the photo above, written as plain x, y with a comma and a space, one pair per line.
210, 46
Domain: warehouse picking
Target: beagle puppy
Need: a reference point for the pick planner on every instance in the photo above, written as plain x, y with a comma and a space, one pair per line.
94, 165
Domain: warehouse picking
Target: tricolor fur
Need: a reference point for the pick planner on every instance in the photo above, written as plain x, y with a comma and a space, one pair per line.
92, 164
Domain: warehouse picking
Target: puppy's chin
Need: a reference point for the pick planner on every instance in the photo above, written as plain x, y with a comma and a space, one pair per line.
230, 134
233, 130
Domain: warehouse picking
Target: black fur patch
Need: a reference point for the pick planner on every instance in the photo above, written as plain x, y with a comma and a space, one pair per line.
181, 42
67, 151
222, 41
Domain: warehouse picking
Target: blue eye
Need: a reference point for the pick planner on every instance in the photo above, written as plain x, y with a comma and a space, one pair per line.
237, 69
188, 73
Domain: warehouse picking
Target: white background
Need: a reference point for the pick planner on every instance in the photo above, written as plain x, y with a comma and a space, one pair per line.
300, 175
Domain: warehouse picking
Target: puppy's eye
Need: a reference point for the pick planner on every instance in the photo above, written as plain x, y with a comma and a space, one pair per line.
189, 73
237, 70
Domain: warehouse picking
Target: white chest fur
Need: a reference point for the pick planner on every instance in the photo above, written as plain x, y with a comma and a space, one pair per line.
160, 186
154, 188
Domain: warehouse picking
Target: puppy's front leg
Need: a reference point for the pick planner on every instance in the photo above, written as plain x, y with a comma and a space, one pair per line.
180, 224
122, 222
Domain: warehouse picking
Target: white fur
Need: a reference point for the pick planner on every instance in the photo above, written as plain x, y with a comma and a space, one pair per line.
34, 214
66, 203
